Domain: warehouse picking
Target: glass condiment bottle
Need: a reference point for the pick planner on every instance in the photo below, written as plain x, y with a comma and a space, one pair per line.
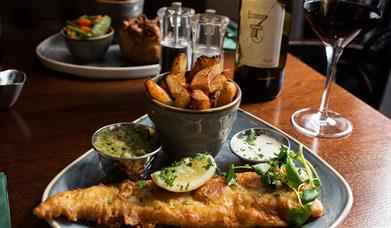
208, 34
175, 27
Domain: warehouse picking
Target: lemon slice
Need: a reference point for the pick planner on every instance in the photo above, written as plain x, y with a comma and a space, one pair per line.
187, 174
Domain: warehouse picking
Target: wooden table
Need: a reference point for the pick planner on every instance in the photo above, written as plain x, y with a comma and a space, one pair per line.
52, 122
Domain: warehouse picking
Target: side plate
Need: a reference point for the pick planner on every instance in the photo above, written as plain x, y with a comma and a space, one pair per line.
54, 54
336, 194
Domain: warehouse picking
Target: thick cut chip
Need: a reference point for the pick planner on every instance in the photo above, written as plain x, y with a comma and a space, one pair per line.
227, 73
201, 63
226, 94
214, 98
217, 83
199, 100
157, 92
180, 64
204, 77
205, 86
187, 174
175, 83
183, 100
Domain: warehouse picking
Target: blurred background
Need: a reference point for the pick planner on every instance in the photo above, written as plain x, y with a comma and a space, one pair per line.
363, 70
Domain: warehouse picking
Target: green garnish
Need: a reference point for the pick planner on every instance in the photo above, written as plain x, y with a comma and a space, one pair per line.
231, 177
297, 216
178, 163
207, 166
251, 136
187, 186
168, 176
141, 184
282, 171
201, 155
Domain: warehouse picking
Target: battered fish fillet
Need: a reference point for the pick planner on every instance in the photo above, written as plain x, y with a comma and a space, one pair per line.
249, 203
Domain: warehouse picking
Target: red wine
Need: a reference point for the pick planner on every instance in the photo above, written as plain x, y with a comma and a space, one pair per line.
262, 47
339, 21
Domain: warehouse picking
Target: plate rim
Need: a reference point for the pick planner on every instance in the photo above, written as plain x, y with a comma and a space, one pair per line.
69, 67
336, 223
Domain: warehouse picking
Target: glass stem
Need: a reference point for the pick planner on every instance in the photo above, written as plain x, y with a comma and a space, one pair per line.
333, 53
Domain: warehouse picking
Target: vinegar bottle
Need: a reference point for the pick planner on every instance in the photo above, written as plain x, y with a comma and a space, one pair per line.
261, 50
175, 27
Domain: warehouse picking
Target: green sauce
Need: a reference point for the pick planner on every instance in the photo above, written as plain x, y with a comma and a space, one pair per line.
126, 141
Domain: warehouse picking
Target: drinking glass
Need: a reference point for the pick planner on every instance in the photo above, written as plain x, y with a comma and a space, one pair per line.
337, 23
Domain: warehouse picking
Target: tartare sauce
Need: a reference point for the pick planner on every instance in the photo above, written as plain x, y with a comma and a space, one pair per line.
256, 146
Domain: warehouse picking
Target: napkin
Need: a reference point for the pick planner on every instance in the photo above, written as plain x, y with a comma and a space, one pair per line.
5, 221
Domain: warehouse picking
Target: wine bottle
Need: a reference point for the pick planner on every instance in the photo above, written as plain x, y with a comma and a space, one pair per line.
262, 47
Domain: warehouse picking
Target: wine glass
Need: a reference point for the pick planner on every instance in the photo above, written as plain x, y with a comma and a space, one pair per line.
337, 23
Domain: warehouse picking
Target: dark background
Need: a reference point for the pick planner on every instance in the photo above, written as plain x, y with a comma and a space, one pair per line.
363, 70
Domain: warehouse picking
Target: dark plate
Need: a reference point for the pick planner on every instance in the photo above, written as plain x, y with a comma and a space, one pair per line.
336, 194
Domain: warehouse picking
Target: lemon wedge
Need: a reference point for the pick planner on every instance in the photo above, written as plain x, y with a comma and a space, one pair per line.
187, 174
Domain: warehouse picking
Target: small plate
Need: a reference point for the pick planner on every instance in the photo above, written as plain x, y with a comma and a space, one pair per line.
335, 195
54, 54
264, 144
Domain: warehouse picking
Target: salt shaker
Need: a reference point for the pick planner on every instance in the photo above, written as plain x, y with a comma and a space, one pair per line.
175, 27
208, 34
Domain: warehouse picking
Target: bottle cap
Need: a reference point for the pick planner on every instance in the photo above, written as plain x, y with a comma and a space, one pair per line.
210, 11
176, 6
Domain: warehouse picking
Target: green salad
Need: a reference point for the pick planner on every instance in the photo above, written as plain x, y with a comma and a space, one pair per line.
88, 26
126, 141
291, 171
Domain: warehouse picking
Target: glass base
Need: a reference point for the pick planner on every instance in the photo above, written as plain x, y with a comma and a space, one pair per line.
307, 121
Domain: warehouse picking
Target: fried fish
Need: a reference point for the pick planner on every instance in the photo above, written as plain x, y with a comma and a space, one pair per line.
247, 204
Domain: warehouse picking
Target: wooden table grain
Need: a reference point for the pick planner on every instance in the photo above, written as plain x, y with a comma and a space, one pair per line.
56, 114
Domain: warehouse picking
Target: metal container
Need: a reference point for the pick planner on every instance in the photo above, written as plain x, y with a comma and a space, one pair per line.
11, 84
126, 167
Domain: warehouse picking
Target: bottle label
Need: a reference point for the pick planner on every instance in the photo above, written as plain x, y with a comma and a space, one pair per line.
261, 26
